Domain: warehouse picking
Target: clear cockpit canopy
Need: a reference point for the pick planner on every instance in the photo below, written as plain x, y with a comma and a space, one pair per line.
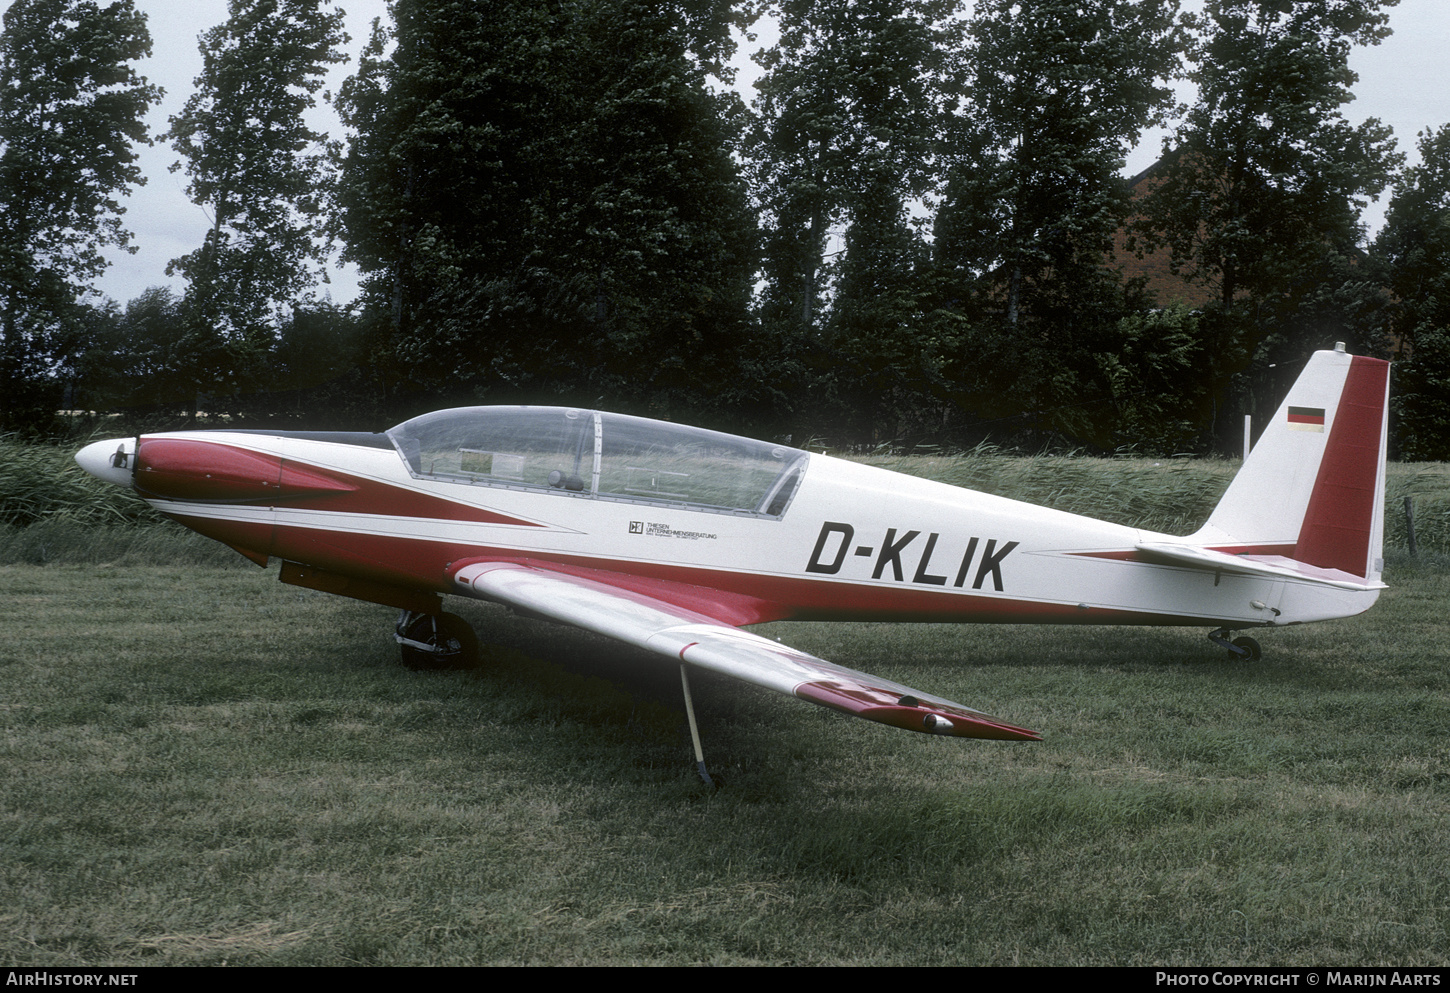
593, 454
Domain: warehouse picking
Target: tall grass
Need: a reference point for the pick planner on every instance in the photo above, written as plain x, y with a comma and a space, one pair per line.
1173, 496
1427, 485
52, 511
41, 481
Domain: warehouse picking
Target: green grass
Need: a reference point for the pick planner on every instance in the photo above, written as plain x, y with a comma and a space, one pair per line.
201, 765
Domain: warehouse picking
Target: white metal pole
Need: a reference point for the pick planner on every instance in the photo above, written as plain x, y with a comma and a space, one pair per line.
694, 729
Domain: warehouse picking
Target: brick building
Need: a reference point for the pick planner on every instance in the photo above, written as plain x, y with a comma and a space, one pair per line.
1165, 287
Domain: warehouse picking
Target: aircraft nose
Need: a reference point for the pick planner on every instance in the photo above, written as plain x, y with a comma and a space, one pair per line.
111, 460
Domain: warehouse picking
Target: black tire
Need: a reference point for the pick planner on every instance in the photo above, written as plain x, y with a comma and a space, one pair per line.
460, 644
1251, 646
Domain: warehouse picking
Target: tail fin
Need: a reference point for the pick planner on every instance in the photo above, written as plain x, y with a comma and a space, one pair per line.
1313, 488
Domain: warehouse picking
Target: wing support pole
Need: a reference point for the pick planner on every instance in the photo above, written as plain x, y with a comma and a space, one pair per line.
694, 728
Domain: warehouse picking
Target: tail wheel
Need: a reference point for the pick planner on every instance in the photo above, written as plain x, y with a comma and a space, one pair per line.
1250, 647
436, 641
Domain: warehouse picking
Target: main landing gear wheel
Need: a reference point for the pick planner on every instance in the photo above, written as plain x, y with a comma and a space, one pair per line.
1244, 648
436, 641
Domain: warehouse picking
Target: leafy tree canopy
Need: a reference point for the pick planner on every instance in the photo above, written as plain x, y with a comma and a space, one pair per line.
1415, 246
254, 162
1055, 94
845, 136
542, 197
1268, 174
71, 109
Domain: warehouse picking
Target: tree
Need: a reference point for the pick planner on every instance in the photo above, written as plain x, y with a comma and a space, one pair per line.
1056, 92
1153, 369
71, 109
844, 138
542, 200
1261, 197
135, 360
1053, 94
1267, 175
842, 161
259, 169
1423, 398
1415, 241
1415, 246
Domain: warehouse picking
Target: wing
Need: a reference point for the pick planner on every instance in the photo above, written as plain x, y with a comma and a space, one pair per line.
687, 636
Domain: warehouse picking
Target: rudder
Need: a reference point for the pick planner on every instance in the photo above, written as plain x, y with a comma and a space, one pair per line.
1313, 487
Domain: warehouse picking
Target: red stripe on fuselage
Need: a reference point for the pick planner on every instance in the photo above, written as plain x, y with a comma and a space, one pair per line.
734, 598
1133, 555
194, 470
387, 500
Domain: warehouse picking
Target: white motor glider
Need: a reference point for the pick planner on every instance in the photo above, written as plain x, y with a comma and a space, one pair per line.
672, 538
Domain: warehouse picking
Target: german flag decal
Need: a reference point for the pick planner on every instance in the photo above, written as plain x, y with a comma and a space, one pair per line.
1306, 419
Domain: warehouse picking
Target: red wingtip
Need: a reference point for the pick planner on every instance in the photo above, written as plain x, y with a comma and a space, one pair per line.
910, 714
986, 727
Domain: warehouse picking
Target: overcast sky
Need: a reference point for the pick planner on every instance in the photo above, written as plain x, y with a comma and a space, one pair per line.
1405, 82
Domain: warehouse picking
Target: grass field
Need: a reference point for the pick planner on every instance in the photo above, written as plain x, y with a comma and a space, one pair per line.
201, 765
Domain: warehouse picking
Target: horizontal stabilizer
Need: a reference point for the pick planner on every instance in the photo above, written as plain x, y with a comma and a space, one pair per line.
1266, 566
